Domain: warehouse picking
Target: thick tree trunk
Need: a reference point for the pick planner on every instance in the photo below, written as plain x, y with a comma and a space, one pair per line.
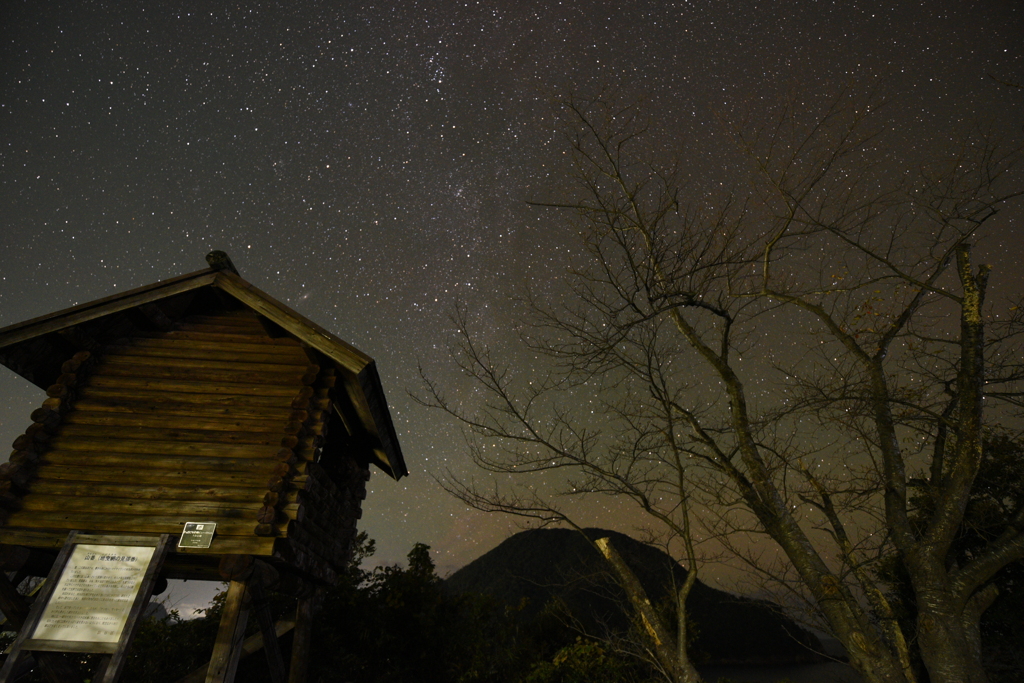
670, 652
946, 646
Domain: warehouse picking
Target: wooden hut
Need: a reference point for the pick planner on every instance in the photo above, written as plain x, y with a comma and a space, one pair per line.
196, 399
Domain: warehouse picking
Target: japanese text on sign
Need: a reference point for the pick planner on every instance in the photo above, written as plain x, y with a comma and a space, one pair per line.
94, 594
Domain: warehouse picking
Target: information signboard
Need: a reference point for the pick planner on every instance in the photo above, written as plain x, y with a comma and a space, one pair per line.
92, 600
94, 594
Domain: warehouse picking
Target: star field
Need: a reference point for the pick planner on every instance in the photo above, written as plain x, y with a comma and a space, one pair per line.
369, 164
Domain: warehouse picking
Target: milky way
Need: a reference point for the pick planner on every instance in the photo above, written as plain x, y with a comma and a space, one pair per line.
370, 164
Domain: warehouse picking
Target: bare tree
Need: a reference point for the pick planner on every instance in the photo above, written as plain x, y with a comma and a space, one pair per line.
782, 357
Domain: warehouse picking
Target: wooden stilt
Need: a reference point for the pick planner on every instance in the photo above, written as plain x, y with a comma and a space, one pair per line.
301, 640
251, 646
261, 606
228, 647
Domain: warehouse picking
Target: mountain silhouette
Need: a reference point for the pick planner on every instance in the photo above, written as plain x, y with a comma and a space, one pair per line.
544, 569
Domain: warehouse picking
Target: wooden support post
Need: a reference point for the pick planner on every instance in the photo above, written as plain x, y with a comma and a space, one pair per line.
301, 639
227, 649
251, 646
261, 606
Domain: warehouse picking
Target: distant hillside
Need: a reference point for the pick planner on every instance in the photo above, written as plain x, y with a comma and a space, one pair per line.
541, 565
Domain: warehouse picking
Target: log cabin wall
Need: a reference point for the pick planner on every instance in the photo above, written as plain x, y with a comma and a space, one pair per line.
210, 420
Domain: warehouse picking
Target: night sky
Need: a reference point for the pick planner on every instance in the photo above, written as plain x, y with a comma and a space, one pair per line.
367, 164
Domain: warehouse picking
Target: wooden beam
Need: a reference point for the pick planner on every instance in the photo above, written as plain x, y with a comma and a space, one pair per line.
268, 433
142, 476
224, 337
298, 670
114, 523
252, 645
256, 355
305, 330
128, 384
133, 491
272, 649
227, 649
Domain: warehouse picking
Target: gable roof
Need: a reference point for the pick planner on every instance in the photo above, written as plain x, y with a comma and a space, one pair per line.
36, 348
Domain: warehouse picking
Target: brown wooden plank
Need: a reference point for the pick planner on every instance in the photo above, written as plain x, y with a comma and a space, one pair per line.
227, 648
268, 434
197, 465
272, 649
199, 339
264, 347
110, 522
249, 375
234, 364
223, 544
191, 508
138, 475
143, 401
135, 491
302, 641
162, 421
112, 444
275, 355
221, 327
244, 319
128, 384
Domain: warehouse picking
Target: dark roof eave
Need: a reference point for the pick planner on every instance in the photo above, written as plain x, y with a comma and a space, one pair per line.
76, 315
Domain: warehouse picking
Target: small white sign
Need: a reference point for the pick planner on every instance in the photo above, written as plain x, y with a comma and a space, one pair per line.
197, 535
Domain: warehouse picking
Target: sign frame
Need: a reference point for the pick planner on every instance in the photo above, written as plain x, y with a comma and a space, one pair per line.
116, 650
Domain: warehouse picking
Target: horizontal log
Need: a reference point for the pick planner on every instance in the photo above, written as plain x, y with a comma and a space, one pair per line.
284, 347
113, 445
126, 385
216, 337
115, 523
232, 364
195, 510
154, 420
240, 319
181, 403
291, 358
213, 437
254, 374
197, 465
53, 539
133, 490
219, 327
100, 505
152, 477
